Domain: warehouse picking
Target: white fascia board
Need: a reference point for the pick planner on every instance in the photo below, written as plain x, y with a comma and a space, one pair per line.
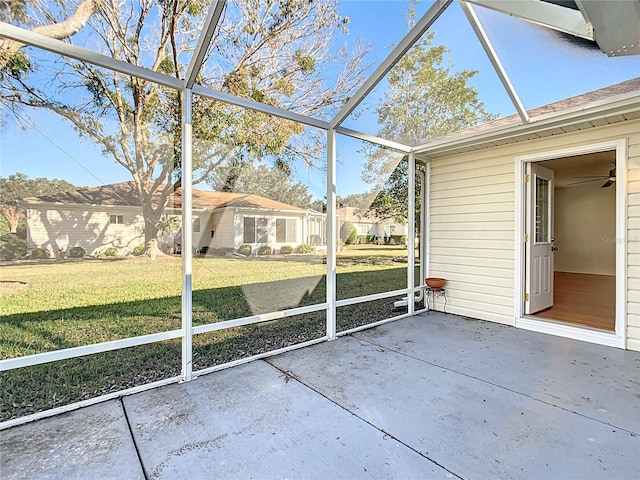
373, 139
604, 108
56, 46
210, 24
259, 107
263, 211
394, 57
542, 13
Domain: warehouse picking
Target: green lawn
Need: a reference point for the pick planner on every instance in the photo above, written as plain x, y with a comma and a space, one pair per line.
80, 302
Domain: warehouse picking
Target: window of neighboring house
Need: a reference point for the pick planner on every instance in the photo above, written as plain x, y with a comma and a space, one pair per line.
362, 229
286, 230
116, 219
196, 224
256, 230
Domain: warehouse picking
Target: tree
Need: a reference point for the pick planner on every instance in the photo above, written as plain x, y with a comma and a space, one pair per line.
13, 215
18, 186
267, 182
16, 10
425, 99
273, 52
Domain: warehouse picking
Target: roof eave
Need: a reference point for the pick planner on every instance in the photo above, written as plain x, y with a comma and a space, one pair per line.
622, 108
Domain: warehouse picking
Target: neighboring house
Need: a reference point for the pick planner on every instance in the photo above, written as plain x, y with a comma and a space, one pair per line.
495, 242
110, 216
367, 225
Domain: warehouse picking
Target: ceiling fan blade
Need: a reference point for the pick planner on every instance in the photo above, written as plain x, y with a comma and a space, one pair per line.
608, 183
586, 181
592, 176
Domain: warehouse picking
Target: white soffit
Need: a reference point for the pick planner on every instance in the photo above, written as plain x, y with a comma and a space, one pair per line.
549, 15
616, 25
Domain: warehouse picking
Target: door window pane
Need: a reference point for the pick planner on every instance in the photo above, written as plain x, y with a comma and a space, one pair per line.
543, 217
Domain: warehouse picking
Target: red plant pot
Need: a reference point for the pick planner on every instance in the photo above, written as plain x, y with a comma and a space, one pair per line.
435, 283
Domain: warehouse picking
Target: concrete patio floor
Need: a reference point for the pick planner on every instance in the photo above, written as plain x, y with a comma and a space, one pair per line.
425, 397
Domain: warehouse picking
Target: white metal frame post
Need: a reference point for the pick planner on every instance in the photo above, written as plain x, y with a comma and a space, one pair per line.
411, 235
187, 237
331, 234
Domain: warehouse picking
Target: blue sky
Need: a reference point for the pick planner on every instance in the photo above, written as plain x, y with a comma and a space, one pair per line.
542, 68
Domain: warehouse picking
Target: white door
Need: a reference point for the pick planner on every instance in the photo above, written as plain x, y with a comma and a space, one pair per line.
539, 239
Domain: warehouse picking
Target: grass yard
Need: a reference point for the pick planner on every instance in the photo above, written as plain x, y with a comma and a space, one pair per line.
80, 302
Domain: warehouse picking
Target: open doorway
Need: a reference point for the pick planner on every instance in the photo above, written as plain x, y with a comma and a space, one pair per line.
573, 241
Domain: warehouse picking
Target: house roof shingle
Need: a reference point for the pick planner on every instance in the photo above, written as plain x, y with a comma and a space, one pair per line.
126, 194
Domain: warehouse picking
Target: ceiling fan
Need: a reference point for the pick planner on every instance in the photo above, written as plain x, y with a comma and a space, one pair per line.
610, 179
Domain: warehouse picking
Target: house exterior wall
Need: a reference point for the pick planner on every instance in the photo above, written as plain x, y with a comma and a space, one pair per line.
222, 224
472, 224
633, 242
271, 219
66, 227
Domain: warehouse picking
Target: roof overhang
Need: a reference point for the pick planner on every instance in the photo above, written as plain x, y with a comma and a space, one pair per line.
612, 25
606, 112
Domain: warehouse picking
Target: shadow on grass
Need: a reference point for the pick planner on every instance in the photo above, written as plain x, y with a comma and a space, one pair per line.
31, 389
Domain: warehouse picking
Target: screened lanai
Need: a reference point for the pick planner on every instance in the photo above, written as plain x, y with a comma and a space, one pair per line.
190, 185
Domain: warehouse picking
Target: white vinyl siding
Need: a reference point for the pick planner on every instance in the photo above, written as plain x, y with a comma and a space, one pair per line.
472, 233
222, 225
633, 243
94, 230
473, 224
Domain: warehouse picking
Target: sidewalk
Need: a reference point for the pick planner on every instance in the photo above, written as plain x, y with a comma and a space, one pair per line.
426, 397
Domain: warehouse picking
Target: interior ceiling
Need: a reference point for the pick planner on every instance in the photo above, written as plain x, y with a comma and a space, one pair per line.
567, 168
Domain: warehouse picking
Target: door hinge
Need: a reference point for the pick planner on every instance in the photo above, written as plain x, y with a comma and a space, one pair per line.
526, 237
527, 178
526, 297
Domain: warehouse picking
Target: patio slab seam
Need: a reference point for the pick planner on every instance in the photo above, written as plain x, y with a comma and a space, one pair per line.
369, 341
132, 436
291, 375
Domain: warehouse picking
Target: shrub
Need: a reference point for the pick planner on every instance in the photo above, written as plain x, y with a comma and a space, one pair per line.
245, 249
348, 233
264, 250
303, 248
286, 249
40, 253
12, 246
138, 250
111, 252
77, 252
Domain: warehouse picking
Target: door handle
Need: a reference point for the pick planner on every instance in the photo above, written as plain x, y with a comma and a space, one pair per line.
554, 249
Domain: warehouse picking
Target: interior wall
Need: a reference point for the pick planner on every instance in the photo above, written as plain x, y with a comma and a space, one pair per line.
585, 229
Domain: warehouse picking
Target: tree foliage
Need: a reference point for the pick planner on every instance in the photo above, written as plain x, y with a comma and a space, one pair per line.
272, 52
425, 99
269, 182
18, 186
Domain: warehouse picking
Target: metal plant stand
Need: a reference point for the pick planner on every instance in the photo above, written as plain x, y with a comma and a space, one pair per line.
430, 298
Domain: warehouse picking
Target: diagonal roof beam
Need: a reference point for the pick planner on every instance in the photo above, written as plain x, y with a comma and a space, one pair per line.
210, 24
479, 30
546, 14
394, 57
58, 46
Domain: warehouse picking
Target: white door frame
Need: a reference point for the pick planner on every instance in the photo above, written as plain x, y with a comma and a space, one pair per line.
614, 339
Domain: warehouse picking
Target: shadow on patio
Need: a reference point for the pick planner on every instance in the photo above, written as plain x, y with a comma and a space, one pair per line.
425, 397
